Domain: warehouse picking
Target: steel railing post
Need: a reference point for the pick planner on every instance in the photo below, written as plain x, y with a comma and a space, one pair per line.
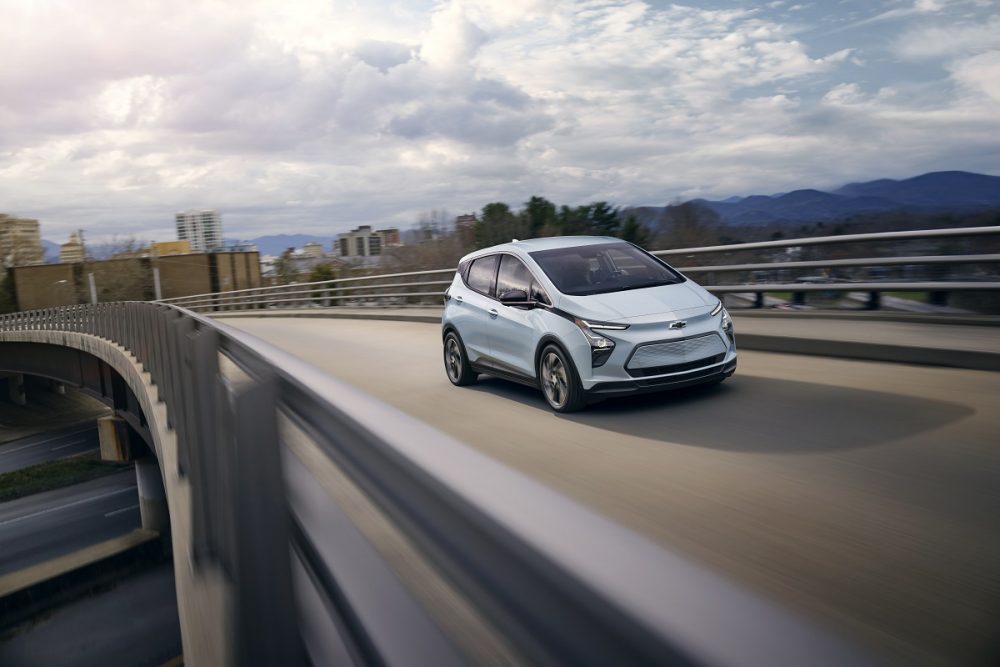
266, 625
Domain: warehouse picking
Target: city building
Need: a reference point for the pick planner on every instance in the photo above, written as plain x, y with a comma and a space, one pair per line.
72, 250
465, 227
312, 249
166, 248
365, 242
201, 228
20, 241
133, 278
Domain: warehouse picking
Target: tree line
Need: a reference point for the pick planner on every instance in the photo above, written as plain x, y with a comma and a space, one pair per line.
498, 223
440, 243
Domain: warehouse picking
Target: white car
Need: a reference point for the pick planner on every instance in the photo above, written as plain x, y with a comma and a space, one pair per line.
582, 318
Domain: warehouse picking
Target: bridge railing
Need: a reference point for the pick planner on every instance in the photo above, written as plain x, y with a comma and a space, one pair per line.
782, 272
270, 446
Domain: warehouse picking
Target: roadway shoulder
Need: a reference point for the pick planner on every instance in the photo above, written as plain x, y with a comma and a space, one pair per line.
950, 341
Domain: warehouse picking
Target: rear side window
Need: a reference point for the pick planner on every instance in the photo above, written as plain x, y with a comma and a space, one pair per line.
482, 274
463, 269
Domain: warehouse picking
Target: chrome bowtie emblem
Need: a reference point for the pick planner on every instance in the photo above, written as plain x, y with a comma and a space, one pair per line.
679, 324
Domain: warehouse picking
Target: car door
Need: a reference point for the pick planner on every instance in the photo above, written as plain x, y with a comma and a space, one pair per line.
514, 332
473, 317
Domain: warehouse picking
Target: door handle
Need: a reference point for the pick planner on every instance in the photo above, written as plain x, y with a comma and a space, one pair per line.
493, 313
459, 299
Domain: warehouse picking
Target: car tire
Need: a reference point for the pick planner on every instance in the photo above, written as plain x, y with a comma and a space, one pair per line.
456, 361
559, 381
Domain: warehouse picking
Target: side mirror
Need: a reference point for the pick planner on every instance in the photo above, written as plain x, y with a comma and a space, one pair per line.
517, 298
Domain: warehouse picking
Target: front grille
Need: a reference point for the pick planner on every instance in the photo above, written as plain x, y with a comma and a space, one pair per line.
675, 368
676, 356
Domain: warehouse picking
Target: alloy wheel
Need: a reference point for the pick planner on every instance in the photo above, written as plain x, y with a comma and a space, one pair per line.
453, 359
554, 380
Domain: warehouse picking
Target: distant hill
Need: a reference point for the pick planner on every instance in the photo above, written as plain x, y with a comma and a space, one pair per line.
937, 191
50, 251
951, 189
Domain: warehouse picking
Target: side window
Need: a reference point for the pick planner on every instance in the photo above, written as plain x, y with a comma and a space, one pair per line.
538, 294
482, 273
463, 269
514, 275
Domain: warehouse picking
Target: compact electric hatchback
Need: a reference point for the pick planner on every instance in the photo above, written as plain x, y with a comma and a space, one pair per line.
582, 318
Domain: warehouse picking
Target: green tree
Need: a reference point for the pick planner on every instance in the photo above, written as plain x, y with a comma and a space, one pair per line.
603, 219
572, 221
633, 232
540, 217
284, 267
496, 224
687, 225
322, 272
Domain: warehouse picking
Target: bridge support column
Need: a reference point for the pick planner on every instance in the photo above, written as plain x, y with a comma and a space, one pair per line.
113, 435
18, 395
152, 497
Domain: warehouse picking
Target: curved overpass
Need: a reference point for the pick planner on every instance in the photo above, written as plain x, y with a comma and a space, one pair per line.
863, 494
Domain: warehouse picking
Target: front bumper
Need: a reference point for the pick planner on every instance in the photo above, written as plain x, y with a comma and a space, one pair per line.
675, 381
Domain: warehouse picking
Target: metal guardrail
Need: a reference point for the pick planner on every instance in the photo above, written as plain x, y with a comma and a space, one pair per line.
558, 584
418, 287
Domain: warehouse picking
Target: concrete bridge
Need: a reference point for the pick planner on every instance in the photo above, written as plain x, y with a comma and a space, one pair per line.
857, 494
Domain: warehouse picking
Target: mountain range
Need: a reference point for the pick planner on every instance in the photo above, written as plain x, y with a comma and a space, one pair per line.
936, 191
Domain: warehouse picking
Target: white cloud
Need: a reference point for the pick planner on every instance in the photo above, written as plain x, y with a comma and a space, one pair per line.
918, 7
318, 115
938, 41
980, 75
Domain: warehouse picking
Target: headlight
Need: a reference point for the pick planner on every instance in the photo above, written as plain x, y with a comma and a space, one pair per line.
727, 326
600, 347
718, 307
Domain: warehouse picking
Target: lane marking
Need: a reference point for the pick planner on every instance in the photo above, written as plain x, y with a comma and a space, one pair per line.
72, 444
42, 442
124, 509
62, 507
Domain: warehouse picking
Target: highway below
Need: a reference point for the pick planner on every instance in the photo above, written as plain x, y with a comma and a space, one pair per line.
863, 495
135, 623
37, 528
49, 446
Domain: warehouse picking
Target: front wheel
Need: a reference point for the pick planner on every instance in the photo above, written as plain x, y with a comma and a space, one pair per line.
456, 361
560, 385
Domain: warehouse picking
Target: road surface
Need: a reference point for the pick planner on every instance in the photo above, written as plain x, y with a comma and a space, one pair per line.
40, 527
135, 624
49, 446
863, 495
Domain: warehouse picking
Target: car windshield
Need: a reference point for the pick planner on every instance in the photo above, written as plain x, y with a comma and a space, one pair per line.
602, 268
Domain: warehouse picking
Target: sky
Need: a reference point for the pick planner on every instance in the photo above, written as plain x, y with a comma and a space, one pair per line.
310, 116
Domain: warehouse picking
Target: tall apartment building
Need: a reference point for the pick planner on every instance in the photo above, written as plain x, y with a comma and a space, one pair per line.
72, 250
365, 242
201, 228
20, 241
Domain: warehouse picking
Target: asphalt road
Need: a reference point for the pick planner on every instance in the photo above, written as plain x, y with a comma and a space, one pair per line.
35, 449
133, 624
863, 495
43, 526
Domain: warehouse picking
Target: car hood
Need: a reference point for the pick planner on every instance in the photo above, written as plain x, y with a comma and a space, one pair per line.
666, 301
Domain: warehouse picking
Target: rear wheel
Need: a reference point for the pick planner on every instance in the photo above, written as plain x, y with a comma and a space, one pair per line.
456, 362
559, 381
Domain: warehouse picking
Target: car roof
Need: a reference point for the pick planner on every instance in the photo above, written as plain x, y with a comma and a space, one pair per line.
547, 243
